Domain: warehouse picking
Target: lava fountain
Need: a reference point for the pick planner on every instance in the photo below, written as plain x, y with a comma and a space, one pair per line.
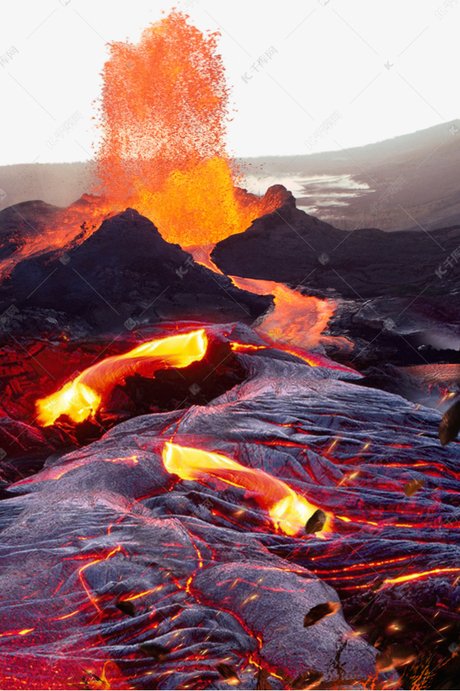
163, 117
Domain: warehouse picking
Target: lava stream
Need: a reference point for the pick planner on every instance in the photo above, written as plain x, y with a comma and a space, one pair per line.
296, 320
288, 511
81, 398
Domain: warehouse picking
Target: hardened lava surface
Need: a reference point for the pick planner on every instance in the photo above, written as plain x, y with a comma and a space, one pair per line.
115, 573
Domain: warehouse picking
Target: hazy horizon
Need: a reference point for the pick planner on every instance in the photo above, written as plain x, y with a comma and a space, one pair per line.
263, 156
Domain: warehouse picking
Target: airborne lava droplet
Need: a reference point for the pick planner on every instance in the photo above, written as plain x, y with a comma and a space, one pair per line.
228, 673
410, 488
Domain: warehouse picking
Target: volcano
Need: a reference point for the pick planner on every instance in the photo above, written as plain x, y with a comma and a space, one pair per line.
221, 419
126, 271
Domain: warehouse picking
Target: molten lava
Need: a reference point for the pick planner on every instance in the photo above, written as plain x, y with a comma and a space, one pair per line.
297, 319
163, 117
81, 398
62, 229
289, 511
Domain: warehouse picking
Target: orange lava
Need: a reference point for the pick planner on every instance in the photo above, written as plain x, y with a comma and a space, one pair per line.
163, 117
288, 511
80, 398
420, 575
296, 319
64, 229
28, 670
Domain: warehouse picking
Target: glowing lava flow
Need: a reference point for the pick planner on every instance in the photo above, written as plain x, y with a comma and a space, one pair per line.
163, 118
82, 397
420, 575
288, 510
297, 321
62, 229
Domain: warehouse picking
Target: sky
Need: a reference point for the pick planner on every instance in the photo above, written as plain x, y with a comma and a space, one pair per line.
305, 75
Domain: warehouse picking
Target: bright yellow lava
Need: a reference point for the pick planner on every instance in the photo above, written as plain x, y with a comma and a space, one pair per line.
288, 510
81, 398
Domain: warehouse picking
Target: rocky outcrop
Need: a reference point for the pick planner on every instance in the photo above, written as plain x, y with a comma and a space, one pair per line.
125, 274
292, 247
21, 223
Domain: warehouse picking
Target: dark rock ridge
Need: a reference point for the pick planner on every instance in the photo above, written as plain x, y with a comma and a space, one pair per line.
126, 273
21, 222
33, 227
187, 584
406, 345
292, 247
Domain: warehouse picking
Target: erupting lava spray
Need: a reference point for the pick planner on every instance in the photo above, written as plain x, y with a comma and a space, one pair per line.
163, 116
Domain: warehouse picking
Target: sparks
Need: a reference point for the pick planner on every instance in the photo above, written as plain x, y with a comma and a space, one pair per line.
165, 155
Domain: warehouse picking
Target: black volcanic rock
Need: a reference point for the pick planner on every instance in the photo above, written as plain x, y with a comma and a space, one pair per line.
290, 246
450, 424
35, 228
21, 222
126, 272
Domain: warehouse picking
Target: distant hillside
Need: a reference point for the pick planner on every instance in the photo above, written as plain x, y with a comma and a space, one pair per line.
399, 183
54, 183
402, 182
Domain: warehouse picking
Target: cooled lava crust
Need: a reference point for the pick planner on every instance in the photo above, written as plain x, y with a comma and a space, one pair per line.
115, 573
